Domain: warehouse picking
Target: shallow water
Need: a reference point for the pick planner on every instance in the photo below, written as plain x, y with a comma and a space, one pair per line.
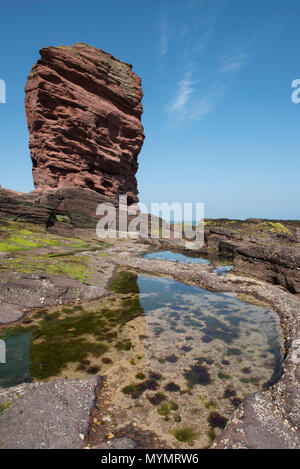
16, 369
223, 269
214, 326
222, 264
177, 257
179, 366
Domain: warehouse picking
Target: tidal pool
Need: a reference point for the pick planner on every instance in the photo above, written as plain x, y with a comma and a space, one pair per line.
178, 359
176, 256
222, 264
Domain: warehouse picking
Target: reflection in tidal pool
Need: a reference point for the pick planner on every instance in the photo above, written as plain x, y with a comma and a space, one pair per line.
203, 352
178, 360
176, 256
16, 369
222, 264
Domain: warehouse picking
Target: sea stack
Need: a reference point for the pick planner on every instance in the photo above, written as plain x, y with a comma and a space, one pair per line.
84, 109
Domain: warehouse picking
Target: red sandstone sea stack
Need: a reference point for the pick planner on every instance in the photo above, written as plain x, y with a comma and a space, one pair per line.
83, 109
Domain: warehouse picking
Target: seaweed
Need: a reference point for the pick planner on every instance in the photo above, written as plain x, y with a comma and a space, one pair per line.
216, 420
166, 408
125, 282
185, 434
171, 358
197, 374
172, 387
157, 398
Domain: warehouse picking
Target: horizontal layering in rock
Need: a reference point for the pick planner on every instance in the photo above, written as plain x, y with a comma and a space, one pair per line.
84, 110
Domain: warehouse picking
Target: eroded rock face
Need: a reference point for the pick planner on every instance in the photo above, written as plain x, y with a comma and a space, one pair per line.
84, 110
265, 249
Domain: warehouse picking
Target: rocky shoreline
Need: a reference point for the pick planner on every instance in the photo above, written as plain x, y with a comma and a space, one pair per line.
84, 109
268, 419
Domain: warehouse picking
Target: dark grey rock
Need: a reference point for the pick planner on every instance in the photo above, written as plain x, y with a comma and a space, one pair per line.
258, 424
118, 443
47, 415
32, 291
10, 313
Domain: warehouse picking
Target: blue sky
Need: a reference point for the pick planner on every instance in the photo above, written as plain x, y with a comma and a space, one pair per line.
219, 121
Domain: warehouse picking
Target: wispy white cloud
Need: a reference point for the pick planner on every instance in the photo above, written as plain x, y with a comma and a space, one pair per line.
233, 62
204, 40
184, 30
207, 28
186, 87
203, 73
164, 35
206, 102
191, 102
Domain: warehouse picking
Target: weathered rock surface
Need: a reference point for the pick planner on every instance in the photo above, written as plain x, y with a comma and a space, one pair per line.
64, 208
269, 250
77, 206
10, 312
84, 110
39, 269
33, 291
279, 265
46, 415
258, 424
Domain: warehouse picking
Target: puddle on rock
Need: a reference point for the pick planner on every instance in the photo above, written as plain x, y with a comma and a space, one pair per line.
222, 264
178, 359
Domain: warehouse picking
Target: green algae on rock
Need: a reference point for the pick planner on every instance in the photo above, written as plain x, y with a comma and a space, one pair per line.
19, 236
70, 335
185, 435
30, 249
125, 282
76, 267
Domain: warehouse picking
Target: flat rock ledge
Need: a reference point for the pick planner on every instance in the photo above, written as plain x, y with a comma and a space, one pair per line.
48, 415
22, 292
